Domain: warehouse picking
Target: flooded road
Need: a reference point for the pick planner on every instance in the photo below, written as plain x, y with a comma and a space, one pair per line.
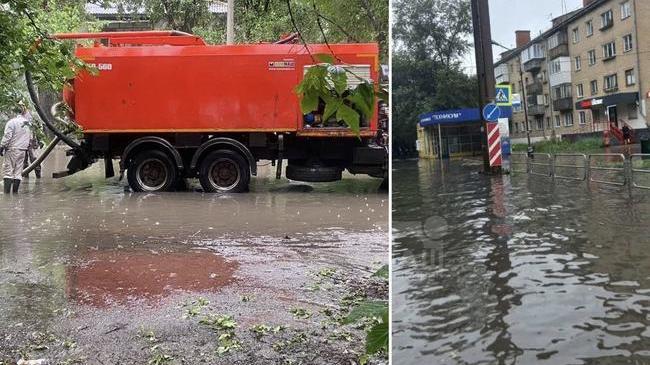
517, 269
92, 274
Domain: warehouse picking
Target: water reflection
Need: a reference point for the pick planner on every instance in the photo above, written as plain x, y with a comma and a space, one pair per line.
527, 270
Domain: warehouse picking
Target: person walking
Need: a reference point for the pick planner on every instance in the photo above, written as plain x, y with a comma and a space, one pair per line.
15, 142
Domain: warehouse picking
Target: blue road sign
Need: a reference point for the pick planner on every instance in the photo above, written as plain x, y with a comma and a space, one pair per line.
491, 112
503, 95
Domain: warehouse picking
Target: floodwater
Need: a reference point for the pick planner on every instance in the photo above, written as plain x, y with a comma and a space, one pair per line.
517, 269
83, 261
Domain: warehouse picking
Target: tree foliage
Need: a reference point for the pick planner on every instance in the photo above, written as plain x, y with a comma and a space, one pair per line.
52, 63
267, 20
430, 38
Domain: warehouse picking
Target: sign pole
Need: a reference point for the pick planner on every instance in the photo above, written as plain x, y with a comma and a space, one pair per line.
484, 67
440, 143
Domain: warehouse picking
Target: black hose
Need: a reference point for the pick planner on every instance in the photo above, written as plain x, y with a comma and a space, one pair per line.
44, 117
42, 157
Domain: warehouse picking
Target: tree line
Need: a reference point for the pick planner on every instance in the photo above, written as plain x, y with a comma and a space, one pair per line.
430, 39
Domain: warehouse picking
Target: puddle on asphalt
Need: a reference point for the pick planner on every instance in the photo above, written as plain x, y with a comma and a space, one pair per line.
123, 277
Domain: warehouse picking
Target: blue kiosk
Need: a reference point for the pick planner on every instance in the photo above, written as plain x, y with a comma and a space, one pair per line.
457, 131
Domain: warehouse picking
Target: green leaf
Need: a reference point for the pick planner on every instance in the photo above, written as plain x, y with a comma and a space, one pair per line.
340, 81
360, 103
377, 339
331, 108
309, 102
369, 309
325, 58
349, 116
382, 272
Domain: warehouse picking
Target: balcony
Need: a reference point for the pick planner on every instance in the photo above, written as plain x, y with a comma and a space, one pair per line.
560, 51
503, 78
535, 88
563, 104
536, 109
533, 65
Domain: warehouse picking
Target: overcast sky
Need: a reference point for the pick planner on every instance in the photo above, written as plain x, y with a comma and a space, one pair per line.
506, 16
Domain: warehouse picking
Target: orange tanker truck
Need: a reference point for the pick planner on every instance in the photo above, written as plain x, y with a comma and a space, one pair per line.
170, 107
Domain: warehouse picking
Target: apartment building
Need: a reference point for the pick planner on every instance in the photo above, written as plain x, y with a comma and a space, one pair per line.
606, 62
589, 69
508, 71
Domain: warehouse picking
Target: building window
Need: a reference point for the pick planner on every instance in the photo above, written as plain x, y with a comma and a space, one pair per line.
580, 91
609, 51
626, 10
558, 124
610, 83
582, 118
576, 34
590, 28
627, 43
568, 119
562, 91
592, 57
630, 78
548, 122
540, 124
516, 127
578, 62
606, 20
555, 67
594, 87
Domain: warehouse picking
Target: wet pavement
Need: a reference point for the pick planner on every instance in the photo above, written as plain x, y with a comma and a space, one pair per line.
92, 274
517, 269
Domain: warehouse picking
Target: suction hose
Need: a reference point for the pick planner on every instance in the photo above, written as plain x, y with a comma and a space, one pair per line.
58, 135
46, 118
42, 157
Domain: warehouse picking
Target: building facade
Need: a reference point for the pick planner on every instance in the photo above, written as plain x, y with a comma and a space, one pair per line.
587, 71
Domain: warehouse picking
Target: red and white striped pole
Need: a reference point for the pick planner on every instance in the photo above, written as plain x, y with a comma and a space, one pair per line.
494, 144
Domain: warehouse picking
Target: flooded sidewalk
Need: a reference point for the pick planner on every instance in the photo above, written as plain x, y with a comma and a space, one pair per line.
517, 269
92, 274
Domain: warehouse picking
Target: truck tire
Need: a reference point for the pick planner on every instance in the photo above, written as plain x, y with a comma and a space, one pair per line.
152, 171
314, 173
224, 171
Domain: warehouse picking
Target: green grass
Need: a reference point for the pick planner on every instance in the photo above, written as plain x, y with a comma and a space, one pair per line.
587, 145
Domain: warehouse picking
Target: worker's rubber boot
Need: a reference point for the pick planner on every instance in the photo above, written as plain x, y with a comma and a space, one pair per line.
8, 183
16, 186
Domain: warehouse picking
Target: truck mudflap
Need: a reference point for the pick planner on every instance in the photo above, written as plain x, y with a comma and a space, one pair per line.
370, 160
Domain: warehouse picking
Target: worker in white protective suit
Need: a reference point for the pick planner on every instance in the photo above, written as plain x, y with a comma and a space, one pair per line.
16, 140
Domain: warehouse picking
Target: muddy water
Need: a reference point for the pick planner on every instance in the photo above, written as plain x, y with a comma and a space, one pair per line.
517, 270
81, 253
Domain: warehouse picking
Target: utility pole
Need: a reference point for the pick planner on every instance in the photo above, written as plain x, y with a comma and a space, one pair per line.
230, 23
524, 103
484, 67
524, 98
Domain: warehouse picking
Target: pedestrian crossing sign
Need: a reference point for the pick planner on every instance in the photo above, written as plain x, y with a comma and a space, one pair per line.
503, 95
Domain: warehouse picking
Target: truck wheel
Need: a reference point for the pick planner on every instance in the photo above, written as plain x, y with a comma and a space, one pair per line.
314, 173
224, 171
152, 171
